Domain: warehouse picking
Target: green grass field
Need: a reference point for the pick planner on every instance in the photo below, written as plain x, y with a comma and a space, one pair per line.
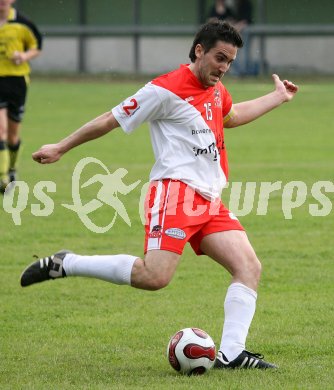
87, 334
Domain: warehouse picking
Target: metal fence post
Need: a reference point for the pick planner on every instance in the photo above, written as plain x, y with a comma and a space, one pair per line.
201, 7
136, 35
82, 52
262, 48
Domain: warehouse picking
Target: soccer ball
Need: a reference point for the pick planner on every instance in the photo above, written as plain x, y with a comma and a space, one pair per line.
191, 351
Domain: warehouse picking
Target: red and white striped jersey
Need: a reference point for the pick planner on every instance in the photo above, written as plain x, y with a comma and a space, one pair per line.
186, 128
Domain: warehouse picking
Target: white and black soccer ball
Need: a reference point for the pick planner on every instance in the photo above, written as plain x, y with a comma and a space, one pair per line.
191, 351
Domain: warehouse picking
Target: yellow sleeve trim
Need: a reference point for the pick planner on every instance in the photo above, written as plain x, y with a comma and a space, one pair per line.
229, 116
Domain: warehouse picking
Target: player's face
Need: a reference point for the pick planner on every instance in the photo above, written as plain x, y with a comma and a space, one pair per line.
210, 67
5, 4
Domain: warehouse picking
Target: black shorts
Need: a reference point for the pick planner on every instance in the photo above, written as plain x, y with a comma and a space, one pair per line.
13, 92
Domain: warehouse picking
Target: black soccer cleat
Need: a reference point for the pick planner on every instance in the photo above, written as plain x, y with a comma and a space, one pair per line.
12, 175
7, 185
3, 185
244, 360
50, 267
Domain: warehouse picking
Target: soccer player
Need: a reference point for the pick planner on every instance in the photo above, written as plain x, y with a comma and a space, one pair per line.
20, 41
187, 110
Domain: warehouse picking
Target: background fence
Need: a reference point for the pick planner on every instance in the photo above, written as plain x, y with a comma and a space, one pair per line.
151, 36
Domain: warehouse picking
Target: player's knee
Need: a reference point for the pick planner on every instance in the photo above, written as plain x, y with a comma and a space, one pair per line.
249, 268
13, 139
157, 282
149, 281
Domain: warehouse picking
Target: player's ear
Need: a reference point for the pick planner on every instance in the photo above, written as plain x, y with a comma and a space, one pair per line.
199, 50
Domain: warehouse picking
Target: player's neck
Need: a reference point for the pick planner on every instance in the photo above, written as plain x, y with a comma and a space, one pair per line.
4, 15
194, 69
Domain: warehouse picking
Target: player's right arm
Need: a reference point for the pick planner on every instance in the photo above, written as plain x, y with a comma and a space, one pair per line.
96, 128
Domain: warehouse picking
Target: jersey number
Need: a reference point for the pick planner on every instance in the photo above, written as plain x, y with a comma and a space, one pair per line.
131, 107
208, 111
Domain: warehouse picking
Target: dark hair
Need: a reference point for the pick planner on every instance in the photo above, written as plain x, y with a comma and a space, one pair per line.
211, 32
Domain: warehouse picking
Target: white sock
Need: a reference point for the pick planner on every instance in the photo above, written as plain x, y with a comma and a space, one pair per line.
239, 308
115, 269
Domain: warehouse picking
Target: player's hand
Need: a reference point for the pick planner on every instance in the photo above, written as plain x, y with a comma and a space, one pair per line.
18, 57
47, 154
285, 88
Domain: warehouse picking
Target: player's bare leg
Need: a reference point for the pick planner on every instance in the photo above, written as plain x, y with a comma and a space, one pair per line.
155, 271
4, 156
233, 251
13, 147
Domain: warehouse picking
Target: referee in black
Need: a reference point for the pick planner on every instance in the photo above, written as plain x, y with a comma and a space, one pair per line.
20, 41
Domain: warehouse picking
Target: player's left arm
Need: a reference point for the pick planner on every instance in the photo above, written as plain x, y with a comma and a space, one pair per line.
31, 38
23, 56
93, 129
250, 110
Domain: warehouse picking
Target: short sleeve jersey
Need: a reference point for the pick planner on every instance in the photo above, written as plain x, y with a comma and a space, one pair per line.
186, 128
17, 34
